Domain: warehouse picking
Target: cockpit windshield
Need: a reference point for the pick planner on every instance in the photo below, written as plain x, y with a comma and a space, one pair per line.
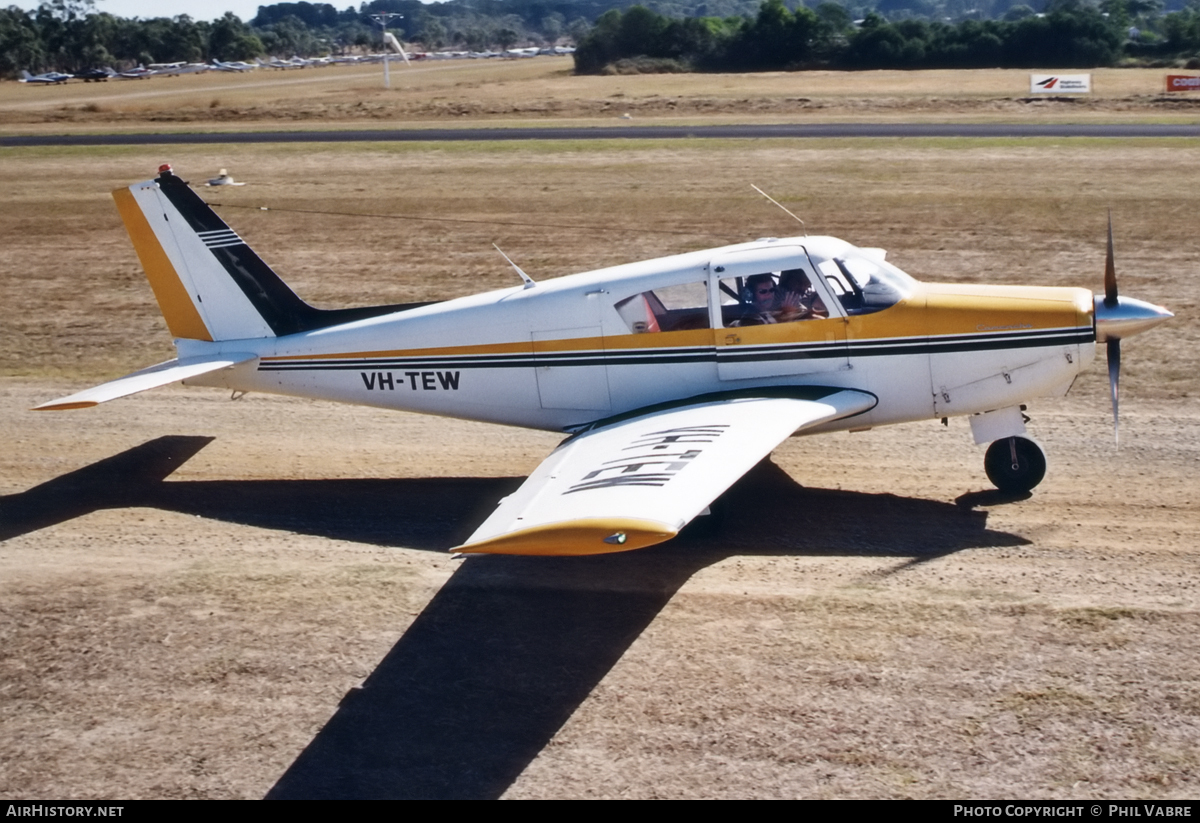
863, 282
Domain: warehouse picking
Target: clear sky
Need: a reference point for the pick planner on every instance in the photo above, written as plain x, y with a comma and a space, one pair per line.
196, 9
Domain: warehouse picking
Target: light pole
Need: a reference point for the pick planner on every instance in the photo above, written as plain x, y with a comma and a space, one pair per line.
382, 19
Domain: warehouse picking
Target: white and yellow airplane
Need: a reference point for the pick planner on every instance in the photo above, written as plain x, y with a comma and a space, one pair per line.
673, 377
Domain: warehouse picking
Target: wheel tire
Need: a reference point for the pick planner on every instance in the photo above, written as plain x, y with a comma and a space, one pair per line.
1030, 468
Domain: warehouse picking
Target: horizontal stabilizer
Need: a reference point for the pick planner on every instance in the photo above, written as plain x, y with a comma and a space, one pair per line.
161, 375
637, 481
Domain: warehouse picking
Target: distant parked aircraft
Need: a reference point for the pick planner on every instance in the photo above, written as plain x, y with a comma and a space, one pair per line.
95, 74
233, 65
223, 179
50, 77
175, 69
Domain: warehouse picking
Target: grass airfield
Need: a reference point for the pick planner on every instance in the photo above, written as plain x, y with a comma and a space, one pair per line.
205, 598
544, 90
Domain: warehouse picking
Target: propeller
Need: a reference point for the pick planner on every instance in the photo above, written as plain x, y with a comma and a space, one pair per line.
1112, 301
1116, 318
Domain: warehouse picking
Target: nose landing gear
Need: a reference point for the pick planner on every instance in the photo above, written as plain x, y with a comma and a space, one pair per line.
1015, 464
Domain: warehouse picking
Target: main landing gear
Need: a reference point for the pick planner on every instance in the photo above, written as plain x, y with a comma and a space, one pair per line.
1015, 464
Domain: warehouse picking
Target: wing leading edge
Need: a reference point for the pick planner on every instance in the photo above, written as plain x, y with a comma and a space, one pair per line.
638, 480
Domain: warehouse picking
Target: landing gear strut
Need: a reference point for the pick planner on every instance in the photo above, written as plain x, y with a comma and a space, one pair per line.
1015, 464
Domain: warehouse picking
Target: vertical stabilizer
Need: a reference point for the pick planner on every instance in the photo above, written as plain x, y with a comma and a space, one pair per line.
209, 284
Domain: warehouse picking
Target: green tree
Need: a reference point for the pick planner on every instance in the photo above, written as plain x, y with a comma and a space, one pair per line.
21, 45
231, 39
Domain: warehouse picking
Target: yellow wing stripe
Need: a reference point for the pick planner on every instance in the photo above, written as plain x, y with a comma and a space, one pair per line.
87, 404
173, 299
576, 537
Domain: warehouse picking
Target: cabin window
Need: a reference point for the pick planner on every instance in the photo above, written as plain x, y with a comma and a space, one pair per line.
770, 297
668, 308
864, 285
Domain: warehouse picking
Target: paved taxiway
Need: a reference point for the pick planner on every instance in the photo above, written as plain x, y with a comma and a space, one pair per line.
792, 130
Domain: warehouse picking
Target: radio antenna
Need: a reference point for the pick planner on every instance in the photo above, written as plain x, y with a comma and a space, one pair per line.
529, 284
777, 203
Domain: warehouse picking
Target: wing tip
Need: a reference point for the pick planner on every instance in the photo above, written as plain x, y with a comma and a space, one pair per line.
574, 538
59, 405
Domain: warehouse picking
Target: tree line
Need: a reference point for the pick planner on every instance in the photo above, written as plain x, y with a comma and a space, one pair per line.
71, 35
706, 35
1068, 34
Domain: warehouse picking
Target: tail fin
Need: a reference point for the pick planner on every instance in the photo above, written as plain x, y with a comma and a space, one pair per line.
209, 284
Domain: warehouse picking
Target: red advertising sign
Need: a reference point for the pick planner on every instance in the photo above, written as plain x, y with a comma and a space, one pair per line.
1183, 82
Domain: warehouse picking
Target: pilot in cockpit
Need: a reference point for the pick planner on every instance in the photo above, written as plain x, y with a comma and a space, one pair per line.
793, 298
759, 301
797, 299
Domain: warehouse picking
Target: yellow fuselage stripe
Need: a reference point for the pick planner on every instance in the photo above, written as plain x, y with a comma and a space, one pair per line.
958, 310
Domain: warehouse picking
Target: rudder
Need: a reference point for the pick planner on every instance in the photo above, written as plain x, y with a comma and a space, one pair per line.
209, 284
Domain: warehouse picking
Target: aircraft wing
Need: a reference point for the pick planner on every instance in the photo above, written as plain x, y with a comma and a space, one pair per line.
164, 373
636, 480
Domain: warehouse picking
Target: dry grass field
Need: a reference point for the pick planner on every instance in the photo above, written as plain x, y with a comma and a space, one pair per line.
544, 90
205, 598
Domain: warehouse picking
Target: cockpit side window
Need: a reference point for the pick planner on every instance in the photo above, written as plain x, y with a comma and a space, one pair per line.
863, 285
770, 297
668, 308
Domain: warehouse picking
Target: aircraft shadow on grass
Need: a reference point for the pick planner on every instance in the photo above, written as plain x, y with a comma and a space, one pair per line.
509, 648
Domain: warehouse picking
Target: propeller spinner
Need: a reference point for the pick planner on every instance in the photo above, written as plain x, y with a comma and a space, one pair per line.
1119, 317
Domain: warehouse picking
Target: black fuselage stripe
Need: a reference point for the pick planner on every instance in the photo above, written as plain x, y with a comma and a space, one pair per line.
824, 351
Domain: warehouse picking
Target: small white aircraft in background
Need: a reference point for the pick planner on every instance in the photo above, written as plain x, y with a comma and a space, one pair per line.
176, 69
673, 377
222, 179
276, 63
139, 73
233, 65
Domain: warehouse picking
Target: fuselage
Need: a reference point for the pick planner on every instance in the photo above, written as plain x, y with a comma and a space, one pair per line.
590, 346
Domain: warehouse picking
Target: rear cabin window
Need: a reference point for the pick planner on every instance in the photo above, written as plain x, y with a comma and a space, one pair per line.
669, 308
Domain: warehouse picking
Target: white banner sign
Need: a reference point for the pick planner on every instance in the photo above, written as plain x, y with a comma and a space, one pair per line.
1060, 84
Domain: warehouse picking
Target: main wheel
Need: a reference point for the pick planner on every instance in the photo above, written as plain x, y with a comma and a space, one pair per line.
1015, 464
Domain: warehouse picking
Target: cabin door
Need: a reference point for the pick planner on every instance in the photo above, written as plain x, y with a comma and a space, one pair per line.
774, 317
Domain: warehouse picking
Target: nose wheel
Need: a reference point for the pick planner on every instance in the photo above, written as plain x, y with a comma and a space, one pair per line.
1015, 464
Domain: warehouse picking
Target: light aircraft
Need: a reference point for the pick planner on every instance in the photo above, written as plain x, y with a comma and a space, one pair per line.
233, 65
139, 73
49, 78
95, 75
176, 69
671, 377
223, 179
276, 63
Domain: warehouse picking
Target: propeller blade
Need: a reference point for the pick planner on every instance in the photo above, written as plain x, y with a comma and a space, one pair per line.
1114, 382
1110, 271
